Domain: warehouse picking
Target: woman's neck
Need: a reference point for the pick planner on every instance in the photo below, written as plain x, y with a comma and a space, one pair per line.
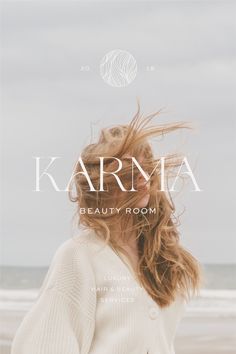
128, 241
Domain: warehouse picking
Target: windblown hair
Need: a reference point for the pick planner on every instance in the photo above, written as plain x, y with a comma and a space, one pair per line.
164, 266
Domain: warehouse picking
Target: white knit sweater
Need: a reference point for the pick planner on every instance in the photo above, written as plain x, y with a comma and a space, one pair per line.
91, 303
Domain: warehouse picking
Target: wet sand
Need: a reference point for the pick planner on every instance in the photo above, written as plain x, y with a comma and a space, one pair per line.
201, 335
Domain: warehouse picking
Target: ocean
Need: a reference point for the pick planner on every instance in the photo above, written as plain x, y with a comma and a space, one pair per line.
20, 285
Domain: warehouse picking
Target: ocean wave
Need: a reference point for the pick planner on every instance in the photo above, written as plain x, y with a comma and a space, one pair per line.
209, 302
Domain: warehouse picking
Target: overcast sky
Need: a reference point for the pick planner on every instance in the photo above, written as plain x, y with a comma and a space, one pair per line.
50, 107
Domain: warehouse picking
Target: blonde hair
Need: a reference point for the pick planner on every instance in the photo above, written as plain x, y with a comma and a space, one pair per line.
164, 266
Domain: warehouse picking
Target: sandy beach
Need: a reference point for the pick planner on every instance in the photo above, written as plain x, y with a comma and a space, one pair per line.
206, 336
198, 335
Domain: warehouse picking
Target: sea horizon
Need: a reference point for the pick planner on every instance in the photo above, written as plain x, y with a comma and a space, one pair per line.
217, 276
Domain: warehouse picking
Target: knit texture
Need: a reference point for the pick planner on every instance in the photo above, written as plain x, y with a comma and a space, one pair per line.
91, 303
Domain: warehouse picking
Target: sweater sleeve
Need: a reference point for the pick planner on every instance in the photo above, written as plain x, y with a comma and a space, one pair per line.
62, 319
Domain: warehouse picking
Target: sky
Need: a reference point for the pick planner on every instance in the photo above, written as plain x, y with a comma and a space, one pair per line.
54, 99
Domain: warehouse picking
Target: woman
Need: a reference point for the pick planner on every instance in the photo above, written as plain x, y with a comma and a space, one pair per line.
121, 285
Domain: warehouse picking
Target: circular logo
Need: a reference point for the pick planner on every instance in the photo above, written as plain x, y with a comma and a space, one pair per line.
118, 68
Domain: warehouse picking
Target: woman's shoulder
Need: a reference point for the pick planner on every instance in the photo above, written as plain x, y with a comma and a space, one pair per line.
71, 263
79, 245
